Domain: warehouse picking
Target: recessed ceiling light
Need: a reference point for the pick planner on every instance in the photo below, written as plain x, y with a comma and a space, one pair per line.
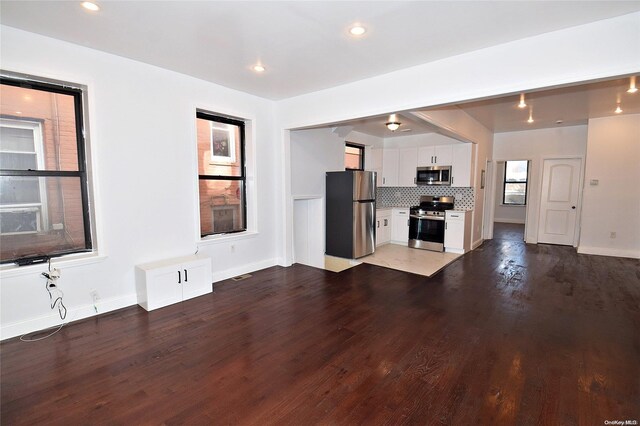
632, 85
18, 112
89, 5
357, 30
258, 68
522, 103
559, 121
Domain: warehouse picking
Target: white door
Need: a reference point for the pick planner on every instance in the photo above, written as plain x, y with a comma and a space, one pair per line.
559, 201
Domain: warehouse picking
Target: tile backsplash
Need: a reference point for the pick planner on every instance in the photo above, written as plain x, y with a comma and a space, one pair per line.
408, 197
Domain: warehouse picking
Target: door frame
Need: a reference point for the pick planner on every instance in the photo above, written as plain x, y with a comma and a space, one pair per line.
490, 198
577, 228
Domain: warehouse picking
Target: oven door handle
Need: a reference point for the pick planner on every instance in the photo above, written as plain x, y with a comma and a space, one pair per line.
426, 217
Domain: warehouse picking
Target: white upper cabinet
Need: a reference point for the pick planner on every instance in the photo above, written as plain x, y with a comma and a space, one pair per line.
439, 155
390, 167
373, 162
373, 158
407, 163
462, 165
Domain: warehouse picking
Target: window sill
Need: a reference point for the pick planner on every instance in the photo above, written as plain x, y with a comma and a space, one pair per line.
219, 239
68, 261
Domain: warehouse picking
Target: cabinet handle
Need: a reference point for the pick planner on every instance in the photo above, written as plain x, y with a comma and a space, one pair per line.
445, 225
186, 277
414, 180
454, 215
384, 180
408, 222
386, 222
179, 278
378, 223
436, 159
432, 159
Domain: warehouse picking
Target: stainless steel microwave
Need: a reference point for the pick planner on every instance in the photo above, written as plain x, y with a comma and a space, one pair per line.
433, 175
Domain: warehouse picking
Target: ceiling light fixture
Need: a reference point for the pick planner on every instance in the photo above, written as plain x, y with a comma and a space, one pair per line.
522, 103
89, 5
618, 110
530, 120
258, 68
393, 125
632, 85
357, 30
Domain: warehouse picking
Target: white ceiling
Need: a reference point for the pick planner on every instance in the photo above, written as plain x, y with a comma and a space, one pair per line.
304, 46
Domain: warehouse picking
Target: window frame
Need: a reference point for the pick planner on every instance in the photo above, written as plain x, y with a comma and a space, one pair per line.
35, 125
505, 182
78, 95
359, 147
216, 118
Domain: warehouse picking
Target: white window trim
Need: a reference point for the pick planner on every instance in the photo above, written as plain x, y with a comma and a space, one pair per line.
38, 143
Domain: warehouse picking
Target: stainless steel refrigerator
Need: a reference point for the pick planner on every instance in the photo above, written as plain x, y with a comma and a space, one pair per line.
351, 213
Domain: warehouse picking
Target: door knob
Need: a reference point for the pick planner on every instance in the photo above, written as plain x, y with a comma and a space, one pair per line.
573, 207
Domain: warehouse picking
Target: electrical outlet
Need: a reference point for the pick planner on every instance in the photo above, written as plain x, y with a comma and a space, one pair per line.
612, 235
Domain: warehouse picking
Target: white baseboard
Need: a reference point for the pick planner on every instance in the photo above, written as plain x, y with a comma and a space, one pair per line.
517, 221
19, 328
244, 269
603, 251
476, 244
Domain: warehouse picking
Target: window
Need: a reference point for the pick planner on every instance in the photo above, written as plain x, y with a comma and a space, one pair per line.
515, 183
353, 157
44, 208
221, 174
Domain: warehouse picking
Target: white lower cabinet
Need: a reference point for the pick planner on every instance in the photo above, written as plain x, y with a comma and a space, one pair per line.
171, 281
400, 226
457, 231
383, 226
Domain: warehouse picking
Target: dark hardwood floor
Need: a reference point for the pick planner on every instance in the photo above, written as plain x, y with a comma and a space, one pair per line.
508, 231
507, 334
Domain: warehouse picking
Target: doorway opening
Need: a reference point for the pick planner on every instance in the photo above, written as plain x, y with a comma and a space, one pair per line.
511, 186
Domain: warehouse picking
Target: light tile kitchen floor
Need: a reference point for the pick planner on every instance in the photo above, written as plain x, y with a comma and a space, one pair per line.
403, 258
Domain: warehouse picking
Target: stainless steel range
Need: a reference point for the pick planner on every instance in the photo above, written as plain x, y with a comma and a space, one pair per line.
426, 222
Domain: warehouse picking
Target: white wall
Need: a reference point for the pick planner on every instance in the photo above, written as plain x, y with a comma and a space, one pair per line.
364, 139
313, 153
613, 158
142, 133
535, 145
426, 139
505, 213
